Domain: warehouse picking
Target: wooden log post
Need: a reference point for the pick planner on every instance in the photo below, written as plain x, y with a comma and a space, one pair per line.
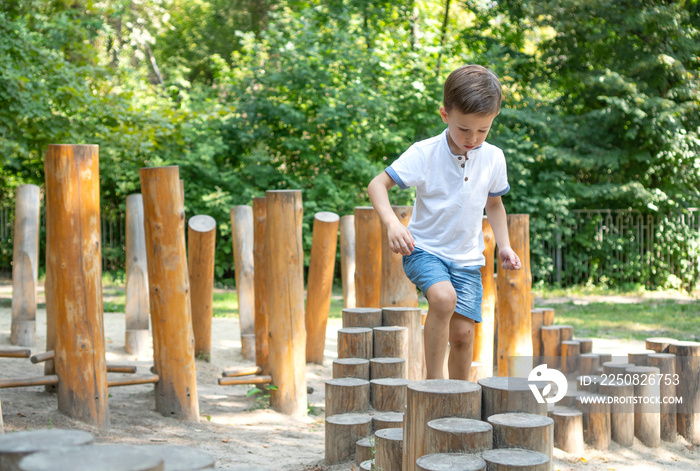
596, 421
242, 371
389, 449
94, 457
537, 316
589, 383
548, 318
390, 341
320, 283
647, 415
184, 457
260, 283
362, 317
387, 367
514, 303
242, 229
347, 260
409, 317
519, 430
485, 330
551, 345
382, 420
2, 426
396, 289
567, 332
435, 399
570, 351
666, 363
450, 461
512, 459
16, 446
74, 268
688, 388
137, 337
344, 395
568, 429
508, 394
285, 302
588, 363
458, 435
16, 353
200, 264
351, 368
25, 265
364, 450
342, 433
639, 358
388, 394
659, 344
613, 368
169, 293
586, 345
368, 257
355, 342
621, 412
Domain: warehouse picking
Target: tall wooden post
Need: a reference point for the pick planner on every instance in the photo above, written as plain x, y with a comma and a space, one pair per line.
74, 268
347, 260
320, 283
25, 260
397, 290
368, 257
514, 303
285, 301
242, 228
260, 263
136, 341
169, 292
484, 331
200, 263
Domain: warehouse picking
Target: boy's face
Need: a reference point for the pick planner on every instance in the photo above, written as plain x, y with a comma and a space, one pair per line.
465, 131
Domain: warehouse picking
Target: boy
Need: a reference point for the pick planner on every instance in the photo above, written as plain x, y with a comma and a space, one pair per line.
457, 175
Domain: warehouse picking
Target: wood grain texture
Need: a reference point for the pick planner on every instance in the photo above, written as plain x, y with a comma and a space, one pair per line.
368, 257
342, 433
409, 317
201, 232
242, 230
688, 371
137, 307
260, 283
396, 289
485, 330
347, 260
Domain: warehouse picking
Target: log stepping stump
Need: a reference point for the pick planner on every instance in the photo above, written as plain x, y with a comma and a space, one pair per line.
388, 394
382, 420
15, 446
342, 433
570, 351
435, 399
596, 421
388, 453
387, 367
615, 368
567, 332
537, 316
508, 394
391, 341
409, 317
519, 430
647, 415
458, 435
688, 388
659, 344
621, 413
551, 345
450, 462
368, 317
639, 358
511, 459
589, 383
355, 342
588, 363
345, 395
666, 363
94, 458
604, 357
568, 429
364, 450
351, 368
570, 398
586, 345
181, 458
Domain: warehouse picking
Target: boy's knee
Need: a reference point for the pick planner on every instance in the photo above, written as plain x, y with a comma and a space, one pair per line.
443, 298
461, 335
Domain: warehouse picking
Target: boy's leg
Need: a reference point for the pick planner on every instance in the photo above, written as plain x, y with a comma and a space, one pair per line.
441, 305
461, 346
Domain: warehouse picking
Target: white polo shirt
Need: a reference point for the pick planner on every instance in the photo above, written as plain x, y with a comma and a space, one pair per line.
451, 193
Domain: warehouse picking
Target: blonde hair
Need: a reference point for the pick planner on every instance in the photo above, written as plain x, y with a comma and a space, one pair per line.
473, 89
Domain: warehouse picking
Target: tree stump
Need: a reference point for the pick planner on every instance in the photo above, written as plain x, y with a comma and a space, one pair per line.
568, 429
639, 358
355, 342
659, 344
387, 367
242, 231
347, 260
596, 422
621, 413
537, 316
260, 278
435, 399
320, 283
388, 394
647, 416
551, 345
588, 363
389, 449
586, 345
382, 420
570, 398
570, 351
604, 357
368, 317
17, 445
368, 257
95, 458
342, 433
567, 332
181, 457
666, 363
138, 338
344, 395
688, 371
364, 450
504, 394
458, 435
528, 431
409, 317
589, 383
450, 462
200, 264
391, 341
396, 289
548, 316
512, 459
612, 368
351, 368
485, 330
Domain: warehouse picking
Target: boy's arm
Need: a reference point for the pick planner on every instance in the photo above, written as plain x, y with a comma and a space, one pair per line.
496, 214
400, 239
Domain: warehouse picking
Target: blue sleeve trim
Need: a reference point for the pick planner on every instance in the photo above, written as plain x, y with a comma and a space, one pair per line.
395, 176
500, 193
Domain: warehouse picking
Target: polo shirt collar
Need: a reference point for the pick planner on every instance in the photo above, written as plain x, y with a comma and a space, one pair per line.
447, 143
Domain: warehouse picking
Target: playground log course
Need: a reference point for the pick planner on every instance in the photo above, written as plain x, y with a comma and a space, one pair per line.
351, 368
362, 317
450, 461
15, 352
285, 301
513, 459
368, 257
169, 293
551, 345
537, 321
382, 420
568, 429
388, 449
396, 289
659, 344
248, 379
388, 394
242, 229
18, 445
647, 416
355, 342
387, 367
74, 280
201, 238
260, 282
570, 351
320, 283
485, 330
514, 349
458, 435
639, 358
504, 394
25, 260
409, 317
342, 433
588, 363
586, 345
621, 413
110, 457
390, 341
435, 399
344, 395
347, 260
528, 431
130, 381
666, 363
137, 336
596, 421
688, 371
364, 450
242, 371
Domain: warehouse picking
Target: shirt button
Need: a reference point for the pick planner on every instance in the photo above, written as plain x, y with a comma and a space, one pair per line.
462, 165
466, 178
459, 158
466, 158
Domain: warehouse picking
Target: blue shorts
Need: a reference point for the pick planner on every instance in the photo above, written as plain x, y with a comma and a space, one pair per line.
425, 269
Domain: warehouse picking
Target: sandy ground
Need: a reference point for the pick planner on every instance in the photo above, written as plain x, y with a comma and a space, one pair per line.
232, 429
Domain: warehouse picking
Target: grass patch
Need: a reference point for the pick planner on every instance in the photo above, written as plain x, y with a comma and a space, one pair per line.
225, 302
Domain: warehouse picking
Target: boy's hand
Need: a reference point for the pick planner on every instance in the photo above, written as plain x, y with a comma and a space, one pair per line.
400, 239
509, 259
